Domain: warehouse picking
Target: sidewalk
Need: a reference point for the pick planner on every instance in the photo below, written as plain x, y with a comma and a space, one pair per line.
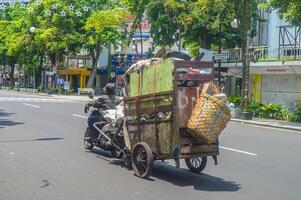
70, 97
271, 123
83, 98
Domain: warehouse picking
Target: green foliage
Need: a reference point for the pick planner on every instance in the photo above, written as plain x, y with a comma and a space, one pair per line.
70, 91
235, 100
196, 22
58, 34
274, 111
41, 88
270, 111
289, 10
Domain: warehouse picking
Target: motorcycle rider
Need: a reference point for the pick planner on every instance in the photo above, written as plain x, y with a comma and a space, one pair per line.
107, 101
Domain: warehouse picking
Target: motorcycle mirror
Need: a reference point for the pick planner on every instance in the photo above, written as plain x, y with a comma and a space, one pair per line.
91, 95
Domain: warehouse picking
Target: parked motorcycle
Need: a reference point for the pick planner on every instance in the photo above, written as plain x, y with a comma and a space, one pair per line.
105, 127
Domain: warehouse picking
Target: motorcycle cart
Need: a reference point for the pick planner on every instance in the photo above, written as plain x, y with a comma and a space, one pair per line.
159, 103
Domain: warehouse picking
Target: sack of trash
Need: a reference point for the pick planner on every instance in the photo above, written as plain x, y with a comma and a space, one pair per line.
210, 115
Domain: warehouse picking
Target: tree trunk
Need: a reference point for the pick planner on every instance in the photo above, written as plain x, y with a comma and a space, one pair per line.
204, 40
39, 71
95, 57
12, 75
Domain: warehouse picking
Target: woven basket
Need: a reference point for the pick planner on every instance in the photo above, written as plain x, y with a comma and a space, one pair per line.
209, 117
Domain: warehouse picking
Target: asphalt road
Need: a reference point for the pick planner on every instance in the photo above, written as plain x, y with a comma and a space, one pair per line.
42, 157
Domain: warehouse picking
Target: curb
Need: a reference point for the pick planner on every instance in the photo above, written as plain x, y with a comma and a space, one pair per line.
49, 95
66, 97
293, 128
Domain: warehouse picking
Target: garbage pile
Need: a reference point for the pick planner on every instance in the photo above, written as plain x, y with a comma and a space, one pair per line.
210, 115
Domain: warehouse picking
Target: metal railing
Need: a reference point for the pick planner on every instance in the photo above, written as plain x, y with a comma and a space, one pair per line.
268, 53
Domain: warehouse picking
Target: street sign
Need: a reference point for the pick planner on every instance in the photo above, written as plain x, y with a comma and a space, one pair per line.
221, 56
59, 81
50, 73
66, 85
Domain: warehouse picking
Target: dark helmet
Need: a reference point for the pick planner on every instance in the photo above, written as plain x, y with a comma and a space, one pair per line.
109, 89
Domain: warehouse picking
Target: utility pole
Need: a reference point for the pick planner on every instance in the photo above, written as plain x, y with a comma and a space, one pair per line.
244, 28
180, 39
141, 38
219, 50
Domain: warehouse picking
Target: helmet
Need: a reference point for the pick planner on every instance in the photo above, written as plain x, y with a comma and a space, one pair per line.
109, 89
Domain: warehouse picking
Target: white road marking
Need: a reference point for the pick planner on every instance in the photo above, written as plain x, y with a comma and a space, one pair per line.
239, 151
80, 116
31, 105
274, 128
21, 99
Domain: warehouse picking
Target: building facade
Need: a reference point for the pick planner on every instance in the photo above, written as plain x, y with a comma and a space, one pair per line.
275, 74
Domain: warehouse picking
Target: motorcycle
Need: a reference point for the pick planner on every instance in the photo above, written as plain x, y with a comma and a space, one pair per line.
105, 128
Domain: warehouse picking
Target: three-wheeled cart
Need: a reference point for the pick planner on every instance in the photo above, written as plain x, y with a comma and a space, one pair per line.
161, 97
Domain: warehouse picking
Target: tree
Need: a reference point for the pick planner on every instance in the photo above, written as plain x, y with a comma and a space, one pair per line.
14, 37
289, 10
61, 27
196, 22
190, 23
102, 30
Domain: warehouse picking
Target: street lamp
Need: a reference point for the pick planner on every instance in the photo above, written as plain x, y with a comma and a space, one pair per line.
247, 55
251, 55
235, 23
32, 31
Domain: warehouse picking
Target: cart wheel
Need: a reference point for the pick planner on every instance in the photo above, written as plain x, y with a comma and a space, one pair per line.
128, 163
142, 160
196, 164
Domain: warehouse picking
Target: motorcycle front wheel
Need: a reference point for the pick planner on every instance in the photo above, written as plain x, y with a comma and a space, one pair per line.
87, 139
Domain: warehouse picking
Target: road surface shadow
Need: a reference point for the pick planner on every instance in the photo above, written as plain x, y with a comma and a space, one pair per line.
179, 177
107, 156
32, 140
7, 122
5, 114
202, 181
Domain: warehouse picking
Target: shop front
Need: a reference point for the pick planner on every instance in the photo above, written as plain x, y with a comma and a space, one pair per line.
77, 77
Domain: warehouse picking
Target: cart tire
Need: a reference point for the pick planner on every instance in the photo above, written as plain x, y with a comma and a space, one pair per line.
128, 163
196, 164
87, 142
142, 160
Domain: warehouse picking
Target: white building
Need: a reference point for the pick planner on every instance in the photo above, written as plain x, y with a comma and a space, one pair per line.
276, 76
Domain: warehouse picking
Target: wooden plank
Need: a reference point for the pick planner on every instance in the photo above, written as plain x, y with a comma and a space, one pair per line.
186, 98
199, 149
186, 141
152, 121
176, 130
149, 97
149, 111
154, 78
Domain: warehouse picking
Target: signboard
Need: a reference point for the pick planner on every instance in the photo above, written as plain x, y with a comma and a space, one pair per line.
67, 85
275, 70
221, 56
59, 81
50, 73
